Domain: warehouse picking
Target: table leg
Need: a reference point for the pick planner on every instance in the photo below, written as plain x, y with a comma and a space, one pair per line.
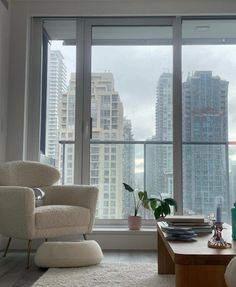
165, 263
200, 275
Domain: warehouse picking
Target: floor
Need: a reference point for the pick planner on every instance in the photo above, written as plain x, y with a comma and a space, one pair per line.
14, 274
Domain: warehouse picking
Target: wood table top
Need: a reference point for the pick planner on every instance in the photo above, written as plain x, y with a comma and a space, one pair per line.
197, 251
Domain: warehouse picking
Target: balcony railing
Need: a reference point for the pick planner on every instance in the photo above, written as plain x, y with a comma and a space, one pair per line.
225, 152
64, 143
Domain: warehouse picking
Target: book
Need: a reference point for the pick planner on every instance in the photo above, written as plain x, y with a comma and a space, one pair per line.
191, 224
197, 223
185, 218
202, 230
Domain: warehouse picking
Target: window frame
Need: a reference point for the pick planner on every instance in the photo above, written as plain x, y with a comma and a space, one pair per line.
83, 91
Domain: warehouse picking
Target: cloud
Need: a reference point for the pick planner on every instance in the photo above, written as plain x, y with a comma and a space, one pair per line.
139, 165
136, 71
221, 60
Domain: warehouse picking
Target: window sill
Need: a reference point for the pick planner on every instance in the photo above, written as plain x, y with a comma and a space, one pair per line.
101, 230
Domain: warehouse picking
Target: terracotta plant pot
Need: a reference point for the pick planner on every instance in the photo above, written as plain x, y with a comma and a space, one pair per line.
134, 222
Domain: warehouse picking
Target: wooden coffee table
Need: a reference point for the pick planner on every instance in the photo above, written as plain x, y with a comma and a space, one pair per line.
194, 263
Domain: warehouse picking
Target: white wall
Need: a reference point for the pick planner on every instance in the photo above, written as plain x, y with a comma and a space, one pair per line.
4, 51
22, 11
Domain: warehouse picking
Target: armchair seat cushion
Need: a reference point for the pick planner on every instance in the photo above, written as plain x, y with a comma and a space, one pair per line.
52, 216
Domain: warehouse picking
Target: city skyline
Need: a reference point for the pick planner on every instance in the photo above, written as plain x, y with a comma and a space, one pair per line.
102, 97
220, 60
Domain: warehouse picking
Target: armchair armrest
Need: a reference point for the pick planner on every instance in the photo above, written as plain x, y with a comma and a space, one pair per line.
17, 212
76, 195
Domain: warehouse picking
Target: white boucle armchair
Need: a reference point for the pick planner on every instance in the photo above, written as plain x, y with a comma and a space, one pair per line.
66, 210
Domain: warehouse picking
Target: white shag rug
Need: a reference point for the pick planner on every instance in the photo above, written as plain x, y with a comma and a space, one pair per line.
106, 275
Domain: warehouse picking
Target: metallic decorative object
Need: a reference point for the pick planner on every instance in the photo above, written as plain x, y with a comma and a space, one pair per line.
39, 195
217, 241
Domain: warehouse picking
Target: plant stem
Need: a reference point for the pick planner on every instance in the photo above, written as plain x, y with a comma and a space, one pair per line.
135, 206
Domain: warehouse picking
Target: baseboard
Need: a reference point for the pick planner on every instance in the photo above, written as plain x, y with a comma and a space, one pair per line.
108, 239
123, 239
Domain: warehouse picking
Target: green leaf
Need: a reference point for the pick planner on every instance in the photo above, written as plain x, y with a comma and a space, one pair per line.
128, 187
145, 203
140, 195
166, 207
158, 212
171, 202
153, 204
145, 196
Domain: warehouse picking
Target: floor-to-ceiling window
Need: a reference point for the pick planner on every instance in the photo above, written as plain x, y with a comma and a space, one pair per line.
125, 91
208, 121
131, 111
60, 95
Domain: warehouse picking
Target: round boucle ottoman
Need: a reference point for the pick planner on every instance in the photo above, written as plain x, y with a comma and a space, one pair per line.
230, 273
68, 254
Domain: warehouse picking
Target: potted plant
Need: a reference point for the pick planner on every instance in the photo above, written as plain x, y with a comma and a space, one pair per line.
135, 221
160, 207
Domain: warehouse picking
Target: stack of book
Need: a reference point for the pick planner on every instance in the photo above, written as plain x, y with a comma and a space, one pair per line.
196, 223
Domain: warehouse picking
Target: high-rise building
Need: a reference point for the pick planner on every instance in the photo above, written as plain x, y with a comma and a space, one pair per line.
106, 168
164, 108
111, 164
56, 88
204, 119
159, 174
67, 131
128, 167
204, 110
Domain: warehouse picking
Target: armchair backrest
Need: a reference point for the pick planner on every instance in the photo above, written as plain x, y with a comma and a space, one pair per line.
27, 174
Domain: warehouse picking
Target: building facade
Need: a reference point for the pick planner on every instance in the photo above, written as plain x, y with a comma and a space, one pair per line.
205, 137
111, 164
159, 166
56, 88
67, 131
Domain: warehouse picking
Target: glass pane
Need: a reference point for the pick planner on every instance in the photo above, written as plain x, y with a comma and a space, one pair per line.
205, 179
124, 84
110, 166
137, 35
66, 152
197, 32
131, 100
208, 113
159, 170
60, 106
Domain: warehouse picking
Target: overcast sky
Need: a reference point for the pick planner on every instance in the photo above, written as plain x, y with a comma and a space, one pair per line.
136, 70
